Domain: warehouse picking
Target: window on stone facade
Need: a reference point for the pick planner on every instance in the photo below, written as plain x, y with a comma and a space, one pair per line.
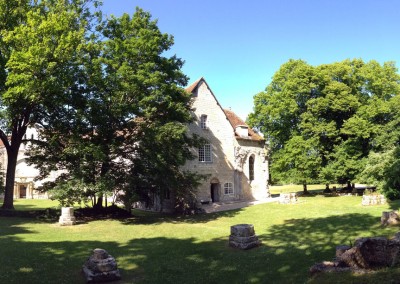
205, 153
251, 168
228, 188
203, 122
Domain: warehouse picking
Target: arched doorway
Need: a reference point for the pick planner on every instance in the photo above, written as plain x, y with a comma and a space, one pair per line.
215, 189
22, 191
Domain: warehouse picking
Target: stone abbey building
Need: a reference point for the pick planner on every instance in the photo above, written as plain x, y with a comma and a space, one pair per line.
234, 159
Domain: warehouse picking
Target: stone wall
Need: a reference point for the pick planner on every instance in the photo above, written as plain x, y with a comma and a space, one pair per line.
373, 200
221, 137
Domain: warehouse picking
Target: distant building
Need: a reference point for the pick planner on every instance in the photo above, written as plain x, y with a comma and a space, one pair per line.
25, 185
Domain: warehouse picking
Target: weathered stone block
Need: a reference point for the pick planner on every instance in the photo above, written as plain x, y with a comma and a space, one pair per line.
67, 217
243, 237
101, 267
341, 249
242, 230
367, 253
390, 218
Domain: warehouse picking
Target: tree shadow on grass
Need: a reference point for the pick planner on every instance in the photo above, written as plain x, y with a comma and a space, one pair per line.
286, 253
394, 204
147, 218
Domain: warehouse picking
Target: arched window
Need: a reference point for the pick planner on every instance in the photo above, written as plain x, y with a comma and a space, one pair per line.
251, 168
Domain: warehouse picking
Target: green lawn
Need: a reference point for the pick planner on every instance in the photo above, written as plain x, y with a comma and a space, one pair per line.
152, 248
276, 189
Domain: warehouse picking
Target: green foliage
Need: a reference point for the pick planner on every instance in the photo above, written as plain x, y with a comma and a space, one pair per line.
296, 162
322, 122
68, 193
41, 43
125, 120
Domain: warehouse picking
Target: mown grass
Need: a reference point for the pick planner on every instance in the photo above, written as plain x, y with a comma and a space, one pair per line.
276, 189
153, 248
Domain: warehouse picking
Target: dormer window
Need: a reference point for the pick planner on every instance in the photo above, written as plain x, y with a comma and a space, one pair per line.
203, 121
242, 131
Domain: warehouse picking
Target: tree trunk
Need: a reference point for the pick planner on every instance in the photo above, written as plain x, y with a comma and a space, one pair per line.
99, 202
12, 156
305, 191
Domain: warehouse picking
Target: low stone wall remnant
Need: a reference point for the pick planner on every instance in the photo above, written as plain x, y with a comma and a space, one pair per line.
366, 254
287, 198
373, 200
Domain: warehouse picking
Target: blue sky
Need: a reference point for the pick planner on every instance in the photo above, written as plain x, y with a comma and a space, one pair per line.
238, 45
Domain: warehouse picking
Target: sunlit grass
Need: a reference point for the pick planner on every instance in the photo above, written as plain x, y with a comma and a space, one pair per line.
154, 248
276, 189
37, 204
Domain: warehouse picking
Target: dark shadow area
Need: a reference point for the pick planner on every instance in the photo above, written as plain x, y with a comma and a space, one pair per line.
151, 218
394, 204
300, 243
286, 253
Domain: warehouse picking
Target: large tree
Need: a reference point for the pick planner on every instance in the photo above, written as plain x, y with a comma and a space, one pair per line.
337, 109
40, 44
128, 130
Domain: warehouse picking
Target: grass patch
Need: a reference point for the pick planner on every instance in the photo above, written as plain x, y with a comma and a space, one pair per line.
34, 204
277, 189
154, 248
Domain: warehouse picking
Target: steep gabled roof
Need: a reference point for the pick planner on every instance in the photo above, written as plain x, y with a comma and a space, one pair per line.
233, 119
193, 87
237, 121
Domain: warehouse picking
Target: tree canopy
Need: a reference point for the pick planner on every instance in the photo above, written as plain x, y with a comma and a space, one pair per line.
110, 107
323, 122
40, 43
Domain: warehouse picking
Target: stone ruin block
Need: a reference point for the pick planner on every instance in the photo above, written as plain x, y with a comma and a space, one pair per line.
287, 198
390, 218
67, 217
367, 253
243, 237
101, 267
373, 200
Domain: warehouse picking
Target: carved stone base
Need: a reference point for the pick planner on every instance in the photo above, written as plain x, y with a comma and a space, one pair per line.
243, 237
67, 217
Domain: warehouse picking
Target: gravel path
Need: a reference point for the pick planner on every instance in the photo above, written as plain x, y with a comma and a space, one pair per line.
225, 206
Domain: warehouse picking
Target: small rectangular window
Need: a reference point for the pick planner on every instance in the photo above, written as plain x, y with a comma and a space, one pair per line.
205, 153
203, 121
228, 188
